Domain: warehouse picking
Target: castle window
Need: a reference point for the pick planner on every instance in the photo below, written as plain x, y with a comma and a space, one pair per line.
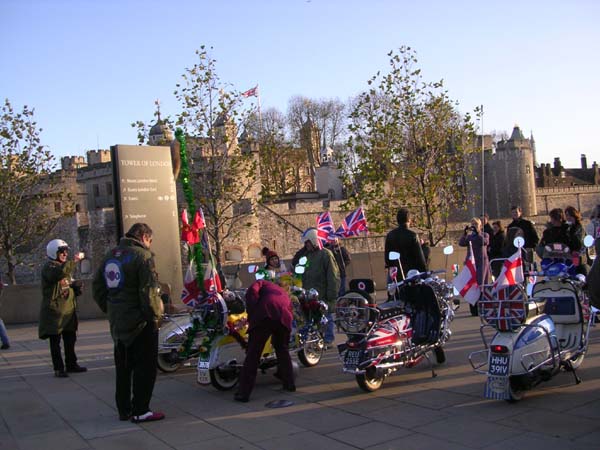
109, 190
96, 190
527, 169
77, 207
57, 207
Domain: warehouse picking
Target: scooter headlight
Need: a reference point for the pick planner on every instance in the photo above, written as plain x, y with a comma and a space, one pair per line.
352, 313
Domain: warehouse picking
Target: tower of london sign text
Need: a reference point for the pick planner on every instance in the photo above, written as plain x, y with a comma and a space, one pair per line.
146, 192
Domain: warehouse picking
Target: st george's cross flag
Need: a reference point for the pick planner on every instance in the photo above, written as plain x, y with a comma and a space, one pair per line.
512, 272
466, 281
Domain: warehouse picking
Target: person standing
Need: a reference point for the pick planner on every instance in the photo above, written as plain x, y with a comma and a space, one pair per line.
529, 233
477, 241
406, 242
269, 315
487, 228
126, 287
321, 273
342, 258
272, 261
495, 250
3, 333
576, 234
58, 313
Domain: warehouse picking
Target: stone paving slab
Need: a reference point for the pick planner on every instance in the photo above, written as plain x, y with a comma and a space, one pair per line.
411, 411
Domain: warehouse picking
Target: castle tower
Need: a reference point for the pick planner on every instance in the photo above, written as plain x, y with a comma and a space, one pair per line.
514, 167
160, 134
310, 139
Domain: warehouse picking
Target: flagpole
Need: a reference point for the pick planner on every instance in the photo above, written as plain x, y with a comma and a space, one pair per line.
260, 129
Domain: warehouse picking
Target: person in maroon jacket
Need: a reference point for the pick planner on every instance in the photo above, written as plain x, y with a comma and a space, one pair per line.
269, 314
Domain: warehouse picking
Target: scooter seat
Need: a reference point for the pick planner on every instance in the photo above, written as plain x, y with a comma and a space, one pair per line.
390, 309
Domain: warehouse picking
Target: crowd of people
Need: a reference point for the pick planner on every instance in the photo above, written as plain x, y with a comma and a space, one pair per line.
126, 287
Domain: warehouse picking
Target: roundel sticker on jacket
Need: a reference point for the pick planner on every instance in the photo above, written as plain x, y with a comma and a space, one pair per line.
113, 274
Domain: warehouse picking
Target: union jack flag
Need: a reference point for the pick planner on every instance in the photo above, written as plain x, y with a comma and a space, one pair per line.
191, 294
504, 309
325, 228
250, 92
354, 224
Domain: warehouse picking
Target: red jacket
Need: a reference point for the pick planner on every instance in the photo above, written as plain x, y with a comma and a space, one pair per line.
266, 300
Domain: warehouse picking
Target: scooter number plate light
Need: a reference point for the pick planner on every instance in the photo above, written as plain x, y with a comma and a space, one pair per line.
352, 359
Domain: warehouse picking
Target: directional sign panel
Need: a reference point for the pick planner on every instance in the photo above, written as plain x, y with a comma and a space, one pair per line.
145, 192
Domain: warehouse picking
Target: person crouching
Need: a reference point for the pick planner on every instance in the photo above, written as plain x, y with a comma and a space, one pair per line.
269, 314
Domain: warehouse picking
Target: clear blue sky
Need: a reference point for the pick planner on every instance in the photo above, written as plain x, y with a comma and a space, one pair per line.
90, 68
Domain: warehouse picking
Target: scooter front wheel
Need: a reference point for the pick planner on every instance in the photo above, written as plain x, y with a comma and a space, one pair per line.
166, 364
369, 381
224, 378
312, 352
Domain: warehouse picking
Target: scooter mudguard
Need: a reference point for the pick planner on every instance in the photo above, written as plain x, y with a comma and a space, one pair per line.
203, 376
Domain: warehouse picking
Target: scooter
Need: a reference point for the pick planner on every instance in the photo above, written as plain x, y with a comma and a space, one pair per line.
412, 324
222, 350
535, 337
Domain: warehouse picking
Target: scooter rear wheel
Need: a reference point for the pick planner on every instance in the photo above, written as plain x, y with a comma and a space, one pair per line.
224, 379
165, 363
516, 390
369, 381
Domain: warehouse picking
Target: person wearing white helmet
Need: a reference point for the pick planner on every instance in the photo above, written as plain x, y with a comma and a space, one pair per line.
58, 315
321, 273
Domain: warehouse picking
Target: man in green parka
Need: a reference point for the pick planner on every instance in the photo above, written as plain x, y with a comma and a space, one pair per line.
322, 274
126, 287
58, 315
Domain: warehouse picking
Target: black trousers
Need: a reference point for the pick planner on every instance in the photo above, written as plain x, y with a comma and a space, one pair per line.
69, 338
136, 366
280, 337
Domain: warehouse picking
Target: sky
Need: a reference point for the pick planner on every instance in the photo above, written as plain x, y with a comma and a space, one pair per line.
92, 67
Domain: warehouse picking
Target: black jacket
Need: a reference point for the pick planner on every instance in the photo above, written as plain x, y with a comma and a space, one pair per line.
530, 235
407, 243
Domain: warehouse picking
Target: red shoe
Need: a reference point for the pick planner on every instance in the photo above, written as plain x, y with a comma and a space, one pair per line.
148, 417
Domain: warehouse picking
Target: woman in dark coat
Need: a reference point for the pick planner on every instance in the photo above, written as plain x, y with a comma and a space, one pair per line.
495, 250
576, 234
58, 316
479, 242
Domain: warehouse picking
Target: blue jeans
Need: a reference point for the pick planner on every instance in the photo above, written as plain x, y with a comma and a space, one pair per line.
3, 334
329, 336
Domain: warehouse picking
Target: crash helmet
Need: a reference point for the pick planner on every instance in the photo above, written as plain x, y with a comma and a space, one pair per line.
54, 246
312, 235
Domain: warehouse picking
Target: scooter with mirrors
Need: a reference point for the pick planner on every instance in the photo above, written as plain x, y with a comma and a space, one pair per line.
413, 324
534, 337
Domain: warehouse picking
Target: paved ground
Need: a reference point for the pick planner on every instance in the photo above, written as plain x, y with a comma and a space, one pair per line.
411, 411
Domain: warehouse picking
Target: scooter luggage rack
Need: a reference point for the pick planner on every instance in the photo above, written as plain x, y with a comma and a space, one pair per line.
170, 318
554, 349
355, 315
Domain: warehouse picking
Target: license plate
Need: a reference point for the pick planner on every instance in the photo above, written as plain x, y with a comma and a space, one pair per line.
203, 372
352, 359
499, 365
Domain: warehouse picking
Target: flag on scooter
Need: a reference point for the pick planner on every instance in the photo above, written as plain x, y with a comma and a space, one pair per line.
212, 281
354, 224
325, 228
466, 281
512, 272
190, 295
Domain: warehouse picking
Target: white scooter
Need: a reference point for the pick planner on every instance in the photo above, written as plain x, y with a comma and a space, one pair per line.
536, 337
